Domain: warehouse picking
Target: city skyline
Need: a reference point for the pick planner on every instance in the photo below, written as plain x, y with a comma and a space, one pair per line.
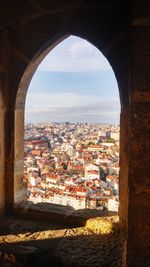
74, 83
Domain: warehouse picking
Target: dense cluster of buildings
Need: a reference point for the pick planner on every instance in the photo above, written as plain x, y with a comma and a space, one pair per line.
72, 164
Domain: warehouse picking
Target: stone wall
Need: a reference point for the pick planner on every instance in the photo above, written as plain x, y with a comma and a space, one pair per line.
121, 31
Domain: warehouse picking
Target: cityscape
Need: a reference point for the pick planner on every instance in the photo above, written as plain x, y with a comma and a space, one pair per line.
72, 164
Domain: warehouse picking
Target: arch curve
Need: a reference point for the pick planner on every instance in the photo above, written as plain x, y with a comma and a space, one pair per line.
19, 187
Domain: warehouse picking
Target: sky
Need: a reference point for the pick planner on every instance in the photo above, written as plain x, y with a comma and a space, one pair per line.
74, 83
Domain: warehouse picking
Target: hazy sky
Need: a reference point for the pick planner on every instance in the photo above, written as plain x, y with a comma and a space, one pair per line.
73, 83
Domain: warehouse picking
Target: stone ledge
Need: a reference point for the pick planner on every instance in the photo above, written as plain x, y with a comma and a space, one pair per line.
59, 214
103, 225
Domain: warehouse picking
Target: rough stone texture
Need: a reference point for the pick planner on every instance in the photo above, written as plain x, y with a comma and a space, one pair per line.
28, 256
26, 49
121, 30
64, 215
20, 190
1, 162
103, 225
139, 143
123, 178
26, 243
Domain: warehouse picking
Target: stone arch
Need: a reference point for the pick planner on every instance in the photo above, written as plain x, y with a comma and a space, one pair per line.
120, 29
19, 186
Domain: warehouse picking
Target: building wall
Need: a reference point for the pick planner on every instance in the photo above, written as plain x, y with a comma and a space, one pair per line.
121, 30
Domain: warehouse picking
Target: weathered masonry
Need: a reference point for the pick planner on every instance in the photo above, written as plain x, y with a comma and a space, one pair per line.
121, 31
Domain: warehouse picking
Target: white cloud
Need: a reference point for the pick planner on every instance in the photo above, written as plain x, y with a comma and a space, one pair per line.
46, 100
74, 54
82, 49
72, 107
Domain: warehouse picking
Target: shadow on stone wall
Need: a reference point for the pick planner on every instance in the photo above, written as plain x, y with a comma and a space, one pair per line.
59, 214
59, 247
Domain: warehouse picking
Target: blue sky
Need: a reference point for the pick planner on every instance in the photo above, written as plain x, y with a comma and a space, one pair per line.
73, 83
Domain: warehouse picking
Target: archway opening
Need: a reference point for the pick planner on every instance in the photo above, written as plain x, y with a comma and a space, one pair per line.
72, 130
